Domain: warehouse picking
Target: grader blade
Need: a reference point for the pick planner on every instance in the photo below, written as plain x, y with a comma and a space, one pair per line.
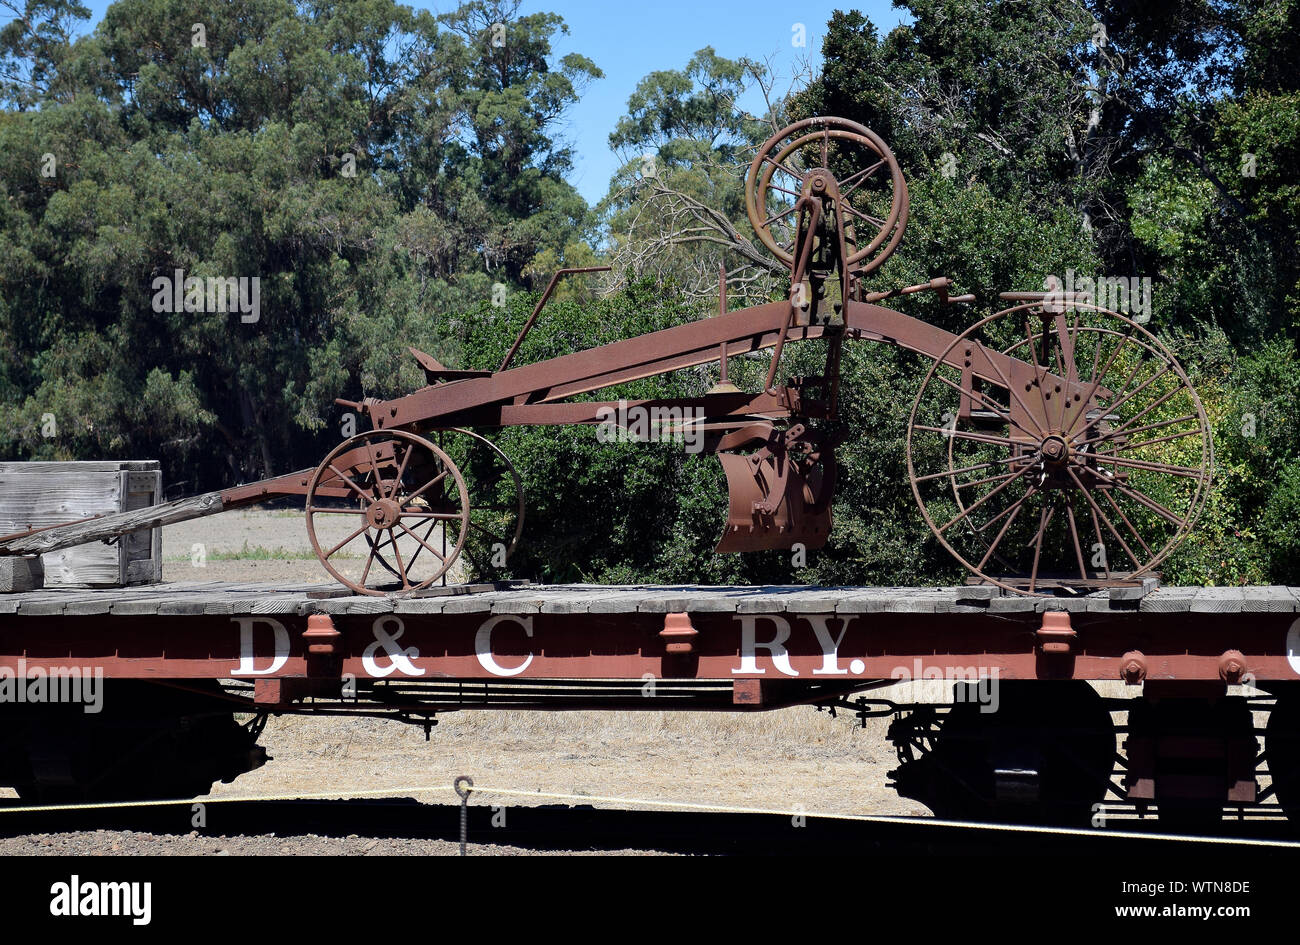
775, 502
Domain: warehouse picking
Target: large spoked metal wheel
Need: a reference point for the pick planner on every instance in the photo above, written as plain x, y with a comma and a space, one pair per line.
873, 193
387, 500
1058, 445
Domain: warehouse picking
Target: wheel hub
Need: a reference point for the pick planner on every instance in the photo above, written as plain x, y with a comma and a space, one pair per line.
1054, 450
383, 514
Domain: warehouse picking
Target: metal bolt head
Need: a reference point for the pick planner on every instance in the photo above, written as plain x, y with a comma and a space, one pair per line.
1053, 448
1133, 667
1232, 667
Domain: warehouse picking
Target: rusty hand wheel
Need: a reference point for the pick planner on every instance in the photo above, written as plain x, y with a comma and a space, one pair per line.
872, 194
379, 497
1050, 448
496, 504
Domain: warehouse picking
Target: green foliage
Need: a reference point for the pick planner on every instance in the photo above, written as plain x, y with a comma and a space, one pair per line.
375, 168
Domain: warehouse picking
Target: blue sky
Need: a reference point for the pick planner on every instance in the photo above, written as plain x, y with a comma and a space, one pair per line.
627, 40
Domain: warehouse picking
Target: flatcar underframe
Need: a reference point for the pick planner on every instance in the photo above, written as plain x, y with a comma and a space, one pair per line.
1021, 735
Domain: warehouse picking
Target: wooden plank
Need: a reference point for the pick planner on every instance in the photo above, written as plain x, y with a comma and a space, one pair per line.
524, 602
1014, 604
1135, 591
865, 600
1168, 600
282, 604
21, 573
1255, 600
1218, 600
353, 605
112, 525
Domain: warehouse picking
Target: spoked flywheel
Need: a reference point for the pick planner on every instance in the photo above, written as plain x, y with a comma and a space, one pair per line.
387, 501
828, 156
1058, 444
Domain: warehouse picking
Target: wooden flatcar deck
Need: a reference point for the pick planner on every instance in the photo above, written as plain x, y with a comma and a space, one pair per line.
304, 599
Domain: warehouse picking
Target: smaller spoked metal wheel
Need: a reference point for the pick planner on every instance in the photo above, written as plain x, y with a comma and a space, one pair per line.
845, 159
390, 503
1058, 445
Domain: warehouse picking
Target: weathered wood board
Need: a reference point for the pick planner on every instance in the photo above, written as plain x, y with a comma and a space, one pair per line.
33, 495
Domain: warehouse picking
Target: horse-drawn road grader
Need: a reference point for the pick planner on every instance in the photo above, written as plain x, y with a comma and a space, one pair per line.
1051, 445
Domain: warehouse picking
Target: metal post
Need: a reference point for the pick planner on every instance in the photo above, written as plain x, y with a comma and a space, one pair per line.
464, 807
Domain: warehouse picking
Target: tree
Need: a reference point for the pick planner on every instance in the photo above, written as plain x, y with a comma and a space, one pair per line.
364, 169
676, 208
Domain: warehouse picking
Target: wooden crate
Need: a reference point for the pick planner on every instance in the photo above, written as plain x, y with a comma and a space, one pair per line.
40, 493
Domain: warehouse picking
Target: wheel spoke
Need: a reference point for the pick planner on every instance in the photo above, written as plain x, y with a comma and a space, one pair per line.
1074, 535
1151, 407
1014, 509
848, 185
374, 470
401, 471
370, 559
1095, 382
784, 213
434, 481
963, 469
1038, 376
364, 526
1170, 468
355, 488
967, 435
1126, 398
771, 160
980, 482
1011, 390
1044, 519
996, 408
422, 542
1096, 529
1124, 518
1137, 564
1162, 439
1137, 495
493, 535
858, 213
976, 504
397, 554
416, 555
1147, 428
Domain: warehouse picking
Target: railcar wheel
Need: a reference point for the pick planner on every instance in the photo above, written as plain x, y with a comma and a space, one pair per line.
1282, 746
1188, 755
871, 185
386, 487
149, 742
1044, 754
1058, 447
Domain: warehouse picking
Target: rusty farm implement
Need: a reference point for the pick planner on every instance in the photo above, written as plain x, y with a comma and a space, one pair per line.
1052, 444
